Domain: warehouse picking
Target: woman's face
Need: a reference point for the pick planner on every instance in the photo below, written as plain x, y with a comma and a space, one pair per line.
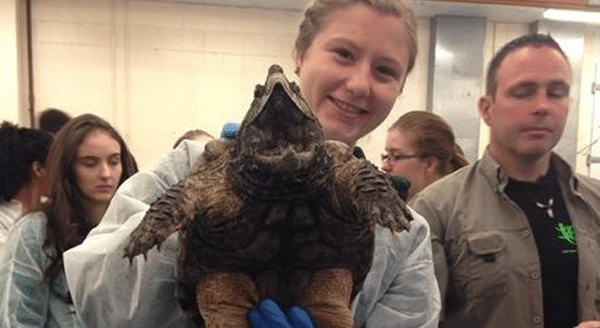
354, 70
401, 160
98, 167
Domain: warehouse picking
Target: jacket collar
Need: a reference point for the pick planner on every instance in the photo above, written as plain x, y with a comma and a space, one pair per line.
494, 173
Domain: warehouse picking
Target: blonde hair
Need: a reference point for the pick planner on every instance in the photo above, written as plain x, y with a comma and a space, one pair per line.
318, 12
431, 135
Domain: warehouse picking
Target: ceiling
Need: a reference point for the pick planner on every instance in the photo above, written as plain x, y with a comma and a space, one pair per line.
497, 13
423, 8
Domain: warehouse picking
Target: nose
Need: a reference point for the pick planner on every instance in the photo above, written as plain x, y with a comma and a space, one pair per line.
105, 171
359, 81
386, 167
543, 104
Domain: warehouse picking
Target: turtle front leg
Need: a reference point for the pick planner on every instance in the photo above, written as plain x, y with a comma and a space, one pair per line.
224, 298
376, 199
165, 216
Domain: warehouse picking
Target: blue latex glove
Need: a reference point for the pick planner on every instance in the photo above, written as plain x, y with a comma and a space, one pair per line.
229, 130
269, 315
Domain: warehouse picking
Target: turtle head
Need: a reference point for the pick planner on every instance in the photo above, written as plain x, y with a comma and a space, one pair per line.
279, 150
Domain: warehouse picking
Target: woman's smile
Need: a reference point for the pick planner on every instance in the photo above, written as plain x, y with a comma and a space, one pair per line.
347, 108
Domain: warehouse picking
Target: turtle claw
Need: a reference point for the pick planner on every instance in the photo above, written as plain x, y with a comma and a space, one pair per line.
128, 255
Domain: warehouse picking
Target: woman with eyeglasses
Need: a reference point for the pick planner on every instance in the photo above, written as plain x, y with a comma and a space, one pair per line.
420, 146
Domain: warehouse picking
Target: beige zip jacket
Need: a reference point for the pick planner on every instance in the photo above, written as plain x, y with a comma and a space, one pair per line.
485, 255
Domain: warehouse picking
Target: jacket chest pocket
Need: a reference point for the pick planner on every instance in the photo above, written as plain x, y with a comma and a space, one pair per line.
487, 275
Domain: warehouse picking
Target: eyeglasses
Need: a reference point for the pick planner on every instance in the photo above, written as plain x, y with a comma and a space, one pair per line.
397, 157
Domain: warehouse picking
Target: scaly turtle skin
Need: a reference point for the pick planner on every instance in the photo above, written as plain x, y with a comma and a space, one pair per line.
278, 212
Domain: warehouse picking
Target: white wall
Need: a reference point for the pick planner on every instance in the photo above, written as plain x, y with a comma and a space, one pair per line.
586, 101
154, 69
157, 69
9, 91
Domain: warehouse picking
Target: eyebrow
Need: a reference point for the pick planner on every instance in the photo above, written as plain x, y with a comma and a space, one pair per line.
535, 84
549, 82
94, 157
343, 40
558, 83
525, 84
393, 150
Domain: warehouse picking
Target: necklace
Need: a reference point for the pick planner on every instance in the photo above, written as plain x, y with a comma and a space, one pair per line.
546, 206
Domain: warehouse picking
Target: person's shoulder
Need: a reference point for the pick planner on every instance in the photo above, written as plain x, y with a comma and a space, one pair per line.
590, 184
591, 181
176, 163
418, 222
170, 167
453, 182
441, 199
28, 234
32, 220
419, 230
10, 212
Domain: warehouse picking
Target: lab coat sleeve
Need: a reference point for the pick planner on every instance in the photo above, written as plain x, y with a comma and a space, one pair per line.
25, 298
109, 292
400, 290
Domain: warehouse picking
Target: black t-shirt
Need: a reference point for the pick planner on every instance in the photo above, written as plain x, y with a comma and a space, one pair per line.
550, 223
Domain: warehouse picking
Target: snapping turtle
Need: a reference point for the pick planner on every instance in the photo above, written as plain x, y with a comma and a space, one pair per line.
278, 212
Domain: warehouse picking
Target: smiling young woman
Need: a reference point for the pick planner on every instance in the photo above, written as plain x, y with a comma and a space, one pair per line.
352, 59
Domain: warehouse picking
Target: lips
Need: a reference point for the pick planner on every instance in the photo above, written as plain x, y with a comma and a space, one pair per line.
538, 129
347, 108
105, 189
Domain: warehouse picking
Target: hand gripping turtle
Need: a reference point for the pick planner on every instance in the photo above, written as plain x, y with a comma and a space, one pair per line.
278, 212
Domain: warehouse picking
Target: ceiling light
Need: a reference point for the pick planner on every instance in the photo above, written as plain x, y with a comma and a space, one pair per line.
576, 16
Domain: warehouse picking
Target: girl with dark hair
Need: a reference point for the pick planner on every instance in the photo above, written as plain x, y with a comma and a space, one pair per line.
23, 178
87, 162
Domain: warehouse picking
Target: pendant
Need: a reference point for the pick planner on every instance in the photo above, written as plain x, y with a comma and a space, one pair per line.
547, 207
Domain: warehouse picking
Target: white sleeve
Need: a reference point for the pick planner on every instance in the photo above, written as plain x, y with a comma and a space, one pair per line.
400, 290
109, 292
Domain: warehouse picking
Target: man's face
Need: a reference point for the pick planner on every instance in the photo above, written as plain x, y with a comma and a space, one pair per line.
529, 109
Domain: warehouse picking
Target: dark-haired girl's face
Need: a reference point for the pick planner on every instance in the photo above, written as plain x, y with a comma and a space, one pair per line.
98, 167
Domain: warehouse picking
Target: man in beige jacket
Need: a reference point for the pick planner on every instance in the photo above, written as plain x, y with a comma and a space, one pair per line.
516, 235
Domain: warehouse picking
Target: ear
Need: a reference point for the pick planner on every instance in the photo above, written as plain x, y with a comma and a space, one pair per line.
484, 104
432, 165
298, 62
37, 169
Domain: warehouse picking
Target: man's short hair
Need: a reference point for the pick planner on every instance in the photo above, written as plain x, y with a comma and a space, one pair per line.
52, 119
528, 40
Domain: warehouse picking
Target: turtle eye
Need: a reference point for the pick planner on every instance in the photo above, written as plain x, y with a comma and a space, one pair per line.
259, 90
295, 88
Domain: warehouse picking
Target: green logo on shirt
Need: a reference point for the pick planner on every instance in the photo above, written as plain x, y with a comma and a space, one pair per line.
566, 233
